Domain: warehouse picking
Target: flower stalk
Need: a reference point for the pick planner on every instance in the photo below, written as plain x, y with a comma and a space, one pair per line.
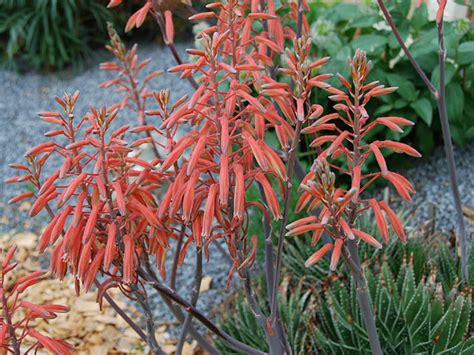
172, 295
149, 321
194, 299
363, 297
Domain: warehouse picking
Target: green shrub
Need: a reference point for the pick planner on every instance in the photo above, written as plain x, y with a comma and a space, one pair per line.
338, 30
51, 33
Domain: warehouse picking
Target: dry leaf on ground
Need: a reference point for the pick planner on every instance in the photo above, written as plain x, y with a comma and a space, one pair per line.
206, 284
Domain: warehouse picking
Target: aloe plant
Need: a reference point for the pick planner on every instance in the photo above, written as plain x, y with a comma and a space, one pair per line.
417, 311
412, 317
295, 307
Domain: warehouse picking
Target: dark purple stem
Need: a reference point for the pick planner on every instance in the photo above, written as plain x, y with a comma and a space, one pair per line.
124, 315
194, 299
173, 296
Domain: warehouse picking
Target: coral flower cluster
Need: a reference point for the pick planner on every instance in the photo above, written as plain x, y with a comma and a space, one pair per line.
110, 210
336, 208
113, 212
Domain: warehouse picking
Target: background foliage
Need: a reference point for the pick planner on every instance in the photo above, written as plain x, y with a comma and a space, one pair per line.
338, 30
51, 33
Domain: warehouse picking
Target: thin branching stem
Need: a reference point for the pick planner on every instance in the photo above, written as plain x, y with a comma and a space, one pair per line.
292, 157
149, 321
173, 296
252, 300
358, 274
405, 49
8, 321
194, 299
352, 258
270, 274
288, 188
122, 314
352, 255
275, 340
291, 168
140, 106
204, 343
174, 267
448, 146
299, 24
363, 297
174, 51
223, 252
269, 261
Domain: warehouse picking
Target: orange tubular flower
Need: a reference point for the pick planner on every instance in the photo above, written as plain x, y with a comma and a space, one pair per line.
114, 3
270, 195
394, 220
169, 26
129, 259
188, 199
367, 238
239, 192
336, 254
380, 219
300, 222
209, 211
110, 247
303, 229
224, 181
399, 147
313, 259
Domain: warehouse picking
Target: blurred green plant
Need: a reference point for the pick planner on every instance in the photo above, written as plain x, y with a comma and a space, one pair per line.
338, 30
51, 33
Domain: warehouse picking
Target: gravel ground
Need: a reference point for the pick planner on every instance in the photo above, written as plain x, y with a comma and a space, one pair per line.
22, 96
430, 178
